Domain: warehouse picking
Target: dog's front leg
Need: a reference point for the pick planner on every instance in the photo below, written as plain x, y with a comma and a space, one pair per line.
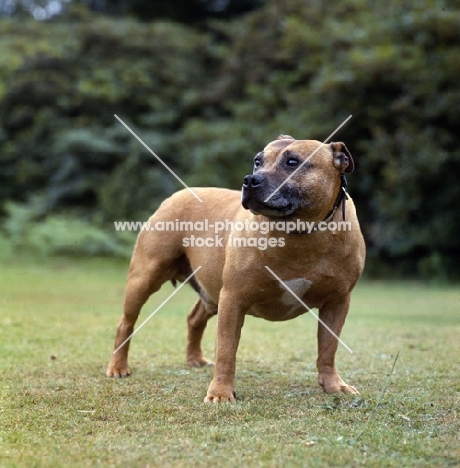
230, 319
333, 315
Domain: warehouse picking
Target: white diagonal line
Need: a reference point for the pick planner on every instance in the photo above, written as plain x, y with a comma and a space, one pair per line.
156, 310
161, 161
309, 157
308, 308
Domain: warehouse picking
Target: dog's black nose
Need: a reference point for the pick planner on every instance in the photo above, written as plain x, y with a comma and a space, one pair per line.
252, 180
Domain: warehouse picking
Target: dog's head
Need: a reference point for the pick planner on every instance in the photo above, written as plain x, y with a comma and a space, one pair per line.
295, 177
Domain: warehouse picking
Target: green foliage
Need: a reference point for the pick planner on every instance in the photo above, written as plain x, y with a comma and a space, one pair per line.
60, 235
207, 100
58, 105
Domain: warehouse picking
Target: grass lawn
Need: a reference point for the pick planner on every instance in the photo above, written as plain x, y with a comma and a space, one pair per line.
57, 408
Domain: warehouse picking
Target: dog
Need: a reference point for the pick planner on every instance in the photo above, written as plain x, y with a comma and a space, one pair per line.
295, 182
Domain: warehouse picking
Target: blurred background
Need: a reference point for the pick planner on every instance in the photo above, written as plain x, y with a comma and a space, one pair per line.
207, 84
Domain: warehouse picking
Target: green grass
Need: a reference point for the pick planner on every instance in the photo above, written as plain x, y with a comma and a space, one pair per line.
57, 325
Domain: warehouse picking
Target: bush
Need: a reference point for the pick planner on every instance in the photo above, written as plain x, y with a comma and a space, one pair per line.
25, 230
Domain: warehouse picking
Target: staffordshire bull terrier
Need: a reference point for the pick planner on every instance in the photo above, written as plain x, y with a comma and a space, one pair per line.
237, 275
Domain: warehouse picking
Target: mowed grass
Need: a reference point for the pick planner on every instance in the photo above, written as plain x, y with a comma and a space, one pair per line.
57, 408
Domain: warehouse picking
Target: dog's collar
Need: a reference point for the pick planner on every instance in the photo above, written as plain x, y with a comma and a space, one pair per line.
341, 199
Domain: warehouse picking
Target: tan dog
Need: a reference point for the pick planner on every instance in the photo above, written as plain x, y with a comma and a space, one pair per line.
320, 267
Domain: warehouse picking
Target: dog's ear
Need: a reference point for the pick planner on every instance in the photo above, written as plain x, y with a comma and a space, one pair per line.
284, 137
342, 158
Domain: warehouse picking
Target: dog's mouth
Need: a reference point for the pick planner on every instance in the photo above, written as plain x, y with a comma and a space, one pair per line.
267, 209
263, 198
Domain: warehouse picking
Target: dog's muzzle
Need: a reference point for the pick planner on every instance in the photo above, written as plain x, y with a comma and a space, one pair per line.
252, 188
256, 188
252, 182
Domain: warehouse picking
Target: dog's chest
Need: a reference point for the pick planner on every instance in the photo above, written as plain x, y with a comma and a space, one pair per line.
286, 305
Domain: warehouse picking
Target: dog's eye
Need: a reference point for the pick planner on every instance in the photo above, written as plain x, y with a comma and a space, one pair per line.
257, 162
292, 162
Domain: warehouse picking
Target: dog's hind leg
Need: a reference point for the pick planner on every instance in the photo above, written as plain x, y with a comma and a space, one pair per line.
144, 278
196, 320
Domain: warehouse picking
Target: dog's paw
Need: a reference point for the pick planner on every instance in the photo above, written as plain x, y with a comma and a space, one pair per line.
344, 389
335, 384
199, 361
220, 396
118, 371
